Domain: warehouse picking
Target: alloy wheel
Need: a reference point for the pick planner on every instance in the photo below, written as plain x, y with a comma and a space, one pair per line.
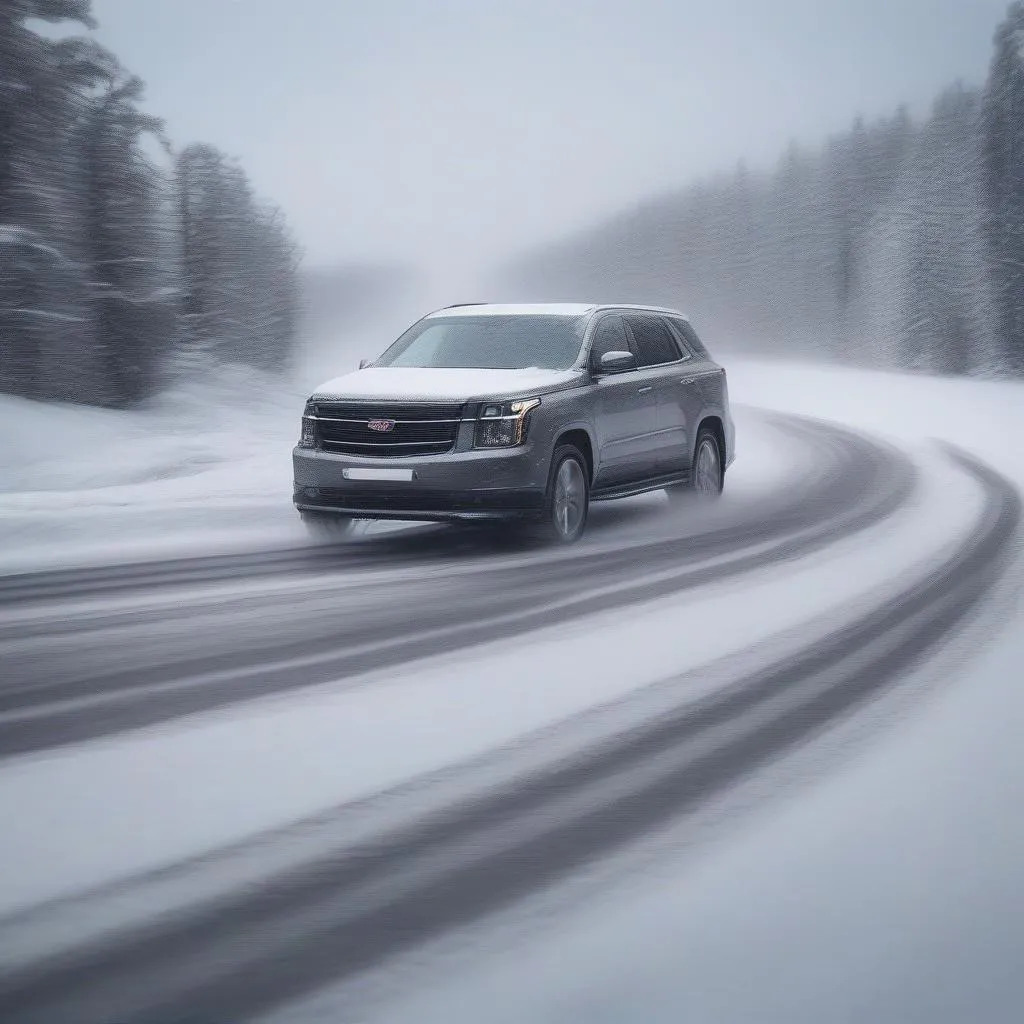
569, 505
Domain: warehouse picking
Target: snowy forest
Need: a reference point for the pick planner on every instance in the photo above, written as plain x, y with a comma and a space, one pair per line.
124, 258
121, 256
897, 244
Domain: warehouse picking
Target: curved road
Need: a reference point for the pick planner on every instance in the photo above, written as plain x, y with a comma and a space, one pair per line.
124, 664
142, 644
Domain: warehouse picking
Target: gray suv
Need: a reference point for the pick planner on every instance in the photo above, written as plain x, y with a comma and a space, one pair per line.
522, 413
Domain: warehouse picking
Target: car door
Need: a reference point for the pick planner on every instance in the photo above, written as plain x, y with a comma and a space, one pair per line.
625, 412
702, 379
661, 368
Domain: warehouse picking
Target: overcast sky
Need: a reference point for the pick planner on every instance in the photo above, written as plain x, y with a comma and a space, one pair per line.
454, 132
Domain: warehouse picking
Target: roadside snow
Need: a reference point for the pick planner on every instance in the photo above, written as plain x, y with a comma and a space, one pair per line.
887, 890
206, 468
983, 417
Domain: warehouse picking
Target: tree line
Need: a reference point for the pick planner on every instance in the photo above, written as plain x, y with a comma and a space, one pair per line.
115, 266
897, 243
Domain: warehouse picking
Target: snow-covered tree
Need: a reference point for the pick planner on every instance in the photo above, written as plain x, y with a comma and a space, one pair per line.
92, 248
44, 320
130, 282
870, 248
946, 325
1003, 117
240, 265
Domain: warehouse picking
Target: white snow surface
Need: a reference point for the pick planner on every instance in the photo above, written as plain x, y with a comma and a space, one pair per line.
296, 755
879, 882
517, 309
208, 468
887, 889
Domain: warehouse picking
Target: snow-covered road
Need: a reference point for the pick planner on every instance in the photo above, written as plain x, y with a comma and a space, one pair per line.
257, 783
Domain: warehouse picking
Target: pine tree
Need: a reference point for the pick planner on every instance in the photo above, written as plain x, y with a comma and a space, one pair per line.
129, 281
945, 316
43, 319
90, 253
890, 244
1003, 119
240, 290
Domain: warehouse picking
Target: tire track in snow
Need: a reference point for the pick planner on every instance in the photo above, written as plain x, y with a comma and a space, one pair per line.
357, 907
425, 545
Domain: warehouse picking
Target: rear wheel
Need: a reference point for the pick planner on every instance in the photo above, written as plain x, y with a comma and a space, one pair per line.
568, 496
707, 474
325, 527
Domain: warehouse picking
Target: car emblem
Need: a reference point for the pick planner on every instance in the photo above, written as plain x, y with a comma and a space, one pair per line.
381, 426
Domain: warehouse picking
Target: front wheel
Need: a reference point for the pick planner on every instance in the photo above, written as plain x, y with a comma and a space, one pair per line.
568, 496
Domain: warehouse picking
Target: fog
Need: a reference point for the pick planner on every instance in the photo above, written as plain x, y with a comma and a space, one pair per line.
289, 732
453, 134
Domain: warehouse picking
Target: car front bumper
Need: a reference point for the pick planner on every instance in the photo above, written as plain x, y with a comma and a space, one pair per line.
473, 485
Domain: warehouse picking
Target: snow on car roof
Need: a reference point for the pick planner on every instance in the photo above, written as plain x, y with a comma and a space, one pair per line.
543, 308
648, 309
517, 309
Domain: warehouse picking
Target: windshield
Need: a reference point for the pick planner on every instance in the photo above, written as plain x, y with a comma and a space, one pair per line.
500, 342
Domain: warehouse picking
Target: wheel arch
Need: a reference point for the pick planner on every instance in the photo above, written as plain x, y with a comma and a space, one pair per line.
714, 423
579, 437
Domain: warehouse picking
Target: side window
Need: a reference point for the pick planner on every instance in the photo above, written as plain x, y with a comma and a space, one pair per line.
609, 336
654, 341
690, 338
675, 328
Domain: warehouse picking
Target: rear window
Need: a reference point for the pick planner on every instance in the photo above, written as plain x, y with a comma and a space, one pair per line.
689, 337
654, 341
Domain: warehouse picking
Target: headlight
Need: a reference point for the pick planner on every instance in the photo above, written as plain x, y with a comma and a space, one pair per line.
503, 424
307, 439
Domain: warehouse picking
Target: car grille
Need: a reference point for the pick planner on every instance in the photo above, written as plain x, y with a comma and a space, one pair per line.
418, 430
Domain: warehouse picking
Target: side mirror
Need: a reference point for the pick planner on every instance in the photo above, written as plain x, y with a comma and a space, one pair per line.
364, 363
615, 362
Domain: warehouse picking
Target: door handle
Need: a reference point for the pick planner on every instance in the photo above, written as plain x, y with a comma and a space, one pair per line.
643, 391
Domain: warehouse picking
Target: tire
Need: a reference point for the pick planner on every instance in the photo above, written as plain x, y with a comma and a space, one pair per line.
567, 501
327, 528
707, 472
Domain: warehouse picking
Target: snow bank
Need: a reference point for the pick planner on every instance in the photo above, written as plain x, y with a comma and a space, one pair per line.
984, 417
206, 467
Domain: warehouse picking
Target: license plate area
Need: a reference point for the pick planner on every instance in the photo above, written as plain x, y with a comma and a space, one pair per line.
372, 473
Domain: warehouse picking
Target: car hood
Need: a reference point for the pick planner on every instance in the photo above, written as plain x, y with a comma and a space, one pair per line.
408, 383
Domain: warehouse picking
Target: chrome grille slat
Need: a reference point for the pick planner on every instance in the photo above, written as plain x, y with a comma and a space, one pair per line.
389, 444
337, 419
420, 428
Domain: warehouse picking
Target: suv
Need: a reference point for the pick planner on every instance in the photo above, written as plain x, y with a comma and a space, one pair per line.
516, 413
